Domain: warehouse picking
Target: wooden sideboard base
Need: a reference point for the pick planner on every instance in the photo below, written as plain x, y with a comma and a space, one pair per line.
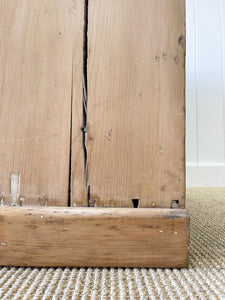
94, 237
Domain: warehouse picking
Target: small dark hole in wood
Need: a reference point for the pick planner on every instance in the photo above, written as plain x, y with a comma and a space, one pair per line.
136, 202
175, 204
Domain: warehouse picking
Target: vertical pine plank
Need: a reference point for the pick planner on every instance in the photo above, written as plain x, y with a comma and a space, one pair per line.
40, 52
136, 71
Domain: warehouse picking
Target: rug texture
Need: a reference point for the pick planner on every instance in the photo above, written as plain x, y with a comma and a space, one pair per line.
204, 279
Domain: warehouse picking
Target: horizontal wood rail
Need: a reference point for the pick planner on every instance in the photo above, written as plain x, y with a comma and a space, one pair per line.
89, 237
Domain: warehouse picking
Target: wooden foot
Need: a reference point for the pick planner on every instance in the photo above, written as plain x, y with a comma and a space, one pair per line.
94, 237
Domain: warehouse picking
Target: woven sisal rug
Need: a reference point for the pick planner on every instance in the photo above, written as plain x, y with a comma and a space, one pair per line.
205, 278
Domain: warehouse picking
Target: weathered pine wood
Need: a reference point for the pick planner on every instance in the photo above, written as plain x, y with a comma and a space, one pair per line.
136, 107
104, 237
78, 189
41, 53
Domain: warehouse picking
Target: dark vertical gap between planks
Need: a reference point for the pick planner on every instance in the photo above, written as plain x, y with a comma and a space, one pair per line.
84, 101
85, 96
71, 136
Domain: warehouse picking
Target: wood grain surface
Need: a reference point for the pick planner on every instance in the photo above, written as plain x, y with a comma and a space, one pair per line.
136, 107
91, 237
41, 53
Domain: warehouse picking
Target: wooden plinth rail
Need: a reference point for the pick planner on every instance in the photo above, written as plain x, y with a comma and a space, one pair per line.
88, 237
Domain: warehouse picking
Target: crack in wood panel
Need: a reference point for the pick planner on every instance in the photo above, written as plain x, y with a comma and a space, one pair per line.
79, 166
85, 100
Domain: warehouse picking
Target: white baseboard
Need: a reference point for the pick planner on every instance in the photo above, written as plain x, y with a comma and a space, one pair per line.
205, 176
